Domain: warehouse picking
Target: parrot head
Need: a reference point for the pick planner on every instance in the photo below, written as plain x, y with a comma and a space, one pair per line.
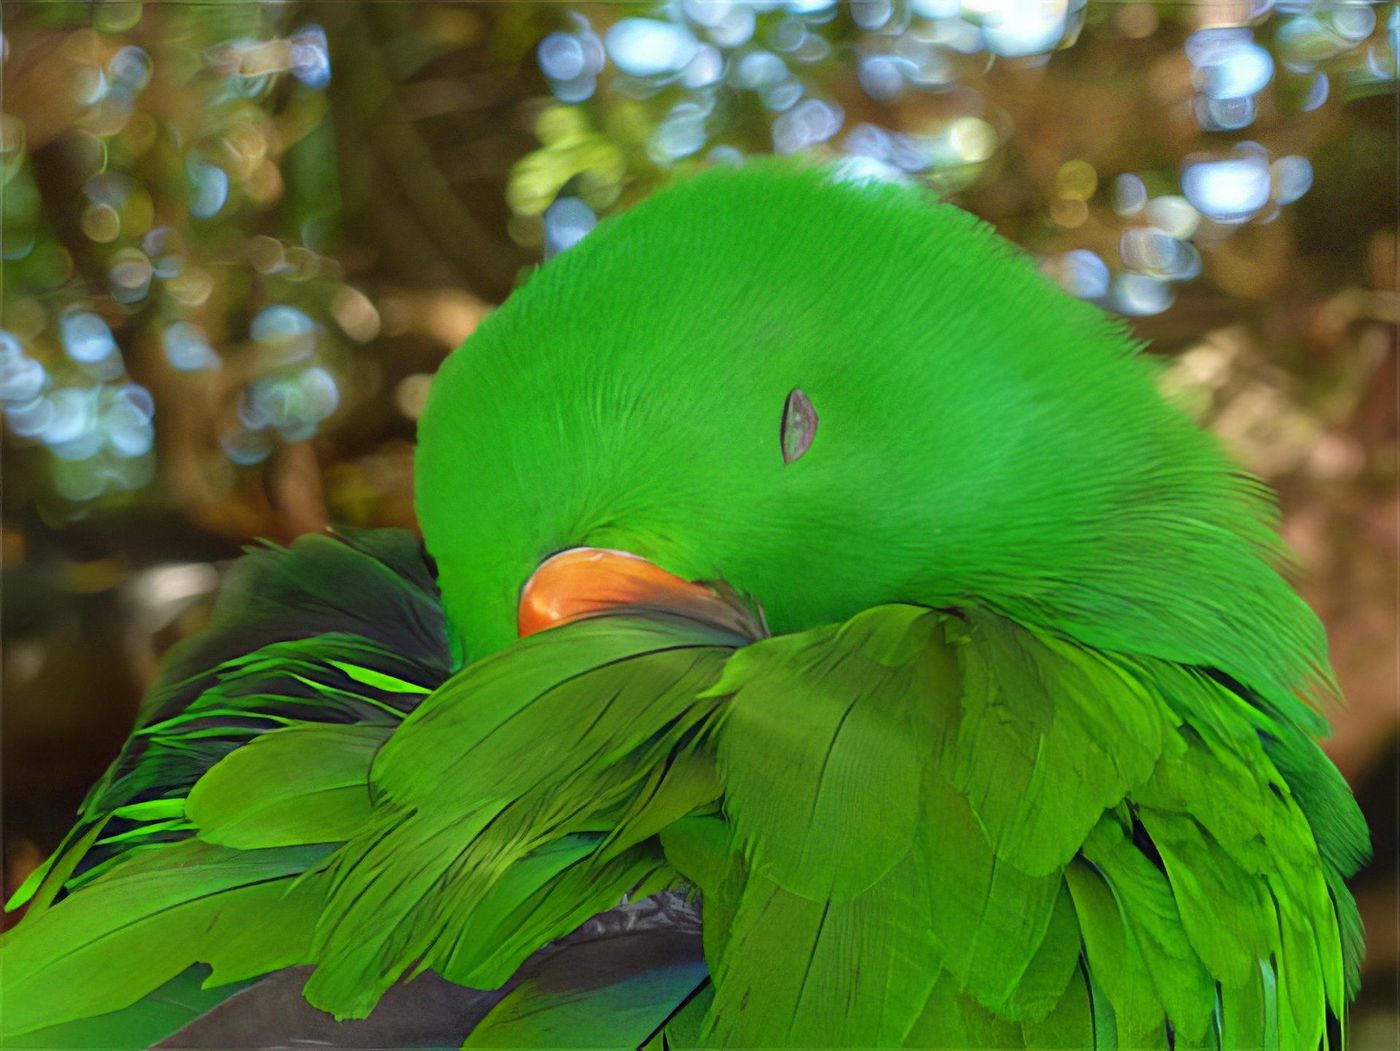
823, 395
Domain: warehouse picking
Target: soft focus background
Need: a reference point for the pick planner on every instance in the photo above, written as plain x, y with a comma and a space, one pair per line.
238, 238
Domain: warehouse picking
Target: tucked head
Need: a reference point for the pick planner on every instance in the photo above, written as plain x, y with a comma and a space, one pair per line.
830, 395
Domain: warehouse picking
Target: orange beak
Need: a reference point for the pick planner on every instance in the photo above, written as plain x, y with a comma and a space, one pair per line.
587, 581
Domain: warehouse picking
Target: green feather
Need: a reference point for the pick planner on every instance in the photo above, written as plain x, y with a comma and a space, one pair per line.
378, 680
1112, 952
604, 994
1152, 924
1302, 1003
290, 643
1050, 736
683, 1031
1156, 942
1226, 912
149, 919
676, 789
1105, 1024
1049, 976
137, 1027
951, 1019
819, 756
1248, 1011
1352, 932
701, 848
151, 810
46, 882
554, 738
491, 943
990, 918
1071, 1023
1272, 874
785, 977
304, 784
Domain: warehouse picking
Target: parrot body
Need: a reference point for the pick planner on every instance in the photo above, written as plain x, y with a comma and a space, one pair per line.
986, 725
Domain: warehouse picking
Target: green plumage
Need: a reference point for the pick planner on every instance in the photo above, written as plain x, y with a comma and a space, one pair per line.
462, 838
1026, 761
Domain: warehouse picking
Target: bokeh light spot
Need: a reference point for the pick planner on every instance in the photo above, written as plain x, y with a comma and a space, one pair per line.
1292, 177
85, 336
309, 56
1076, 180
644, 47
1139, 295
566, 222
1229, 190
187, 347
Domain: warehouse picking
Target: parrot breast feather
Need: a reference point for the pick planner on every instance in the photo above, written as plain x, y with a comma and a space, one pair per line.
952, 830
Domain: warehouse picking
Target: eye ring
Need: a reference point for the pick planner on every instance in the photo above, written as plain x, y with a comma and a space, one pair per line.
799, 426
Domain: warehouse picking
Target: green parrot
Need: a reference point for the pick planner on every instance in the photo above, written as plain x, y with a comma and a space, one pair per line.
823, 635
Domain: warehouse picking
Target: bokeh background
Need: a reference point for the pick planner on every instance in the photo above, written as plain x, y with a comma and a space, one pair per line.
238, 238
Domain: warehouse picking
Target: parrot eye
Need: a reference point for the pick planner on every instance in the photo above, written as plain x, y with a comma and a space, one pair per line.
799, 425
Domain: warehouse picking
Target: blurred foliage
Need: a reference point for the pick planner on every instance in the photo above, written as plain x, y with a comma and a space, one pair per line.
238, 237
210, 209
